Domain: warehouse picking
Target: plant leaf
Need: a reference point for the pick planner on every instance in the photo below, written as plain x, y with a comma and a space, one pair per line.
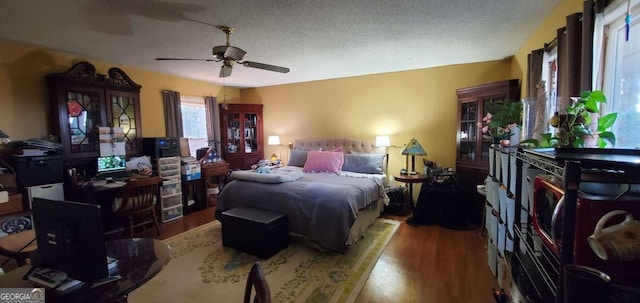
578, 130
601, 143
591, 105
532, 142
606, 121
585, 94
598, 96
608, 136
578, 142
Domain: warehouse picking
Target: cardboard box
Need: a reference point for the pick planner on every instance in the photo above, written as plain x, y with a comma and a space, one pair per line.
191, 171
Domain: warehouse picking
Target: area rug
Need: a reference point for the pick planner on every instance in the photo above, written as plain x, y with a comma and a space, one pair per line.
202, 270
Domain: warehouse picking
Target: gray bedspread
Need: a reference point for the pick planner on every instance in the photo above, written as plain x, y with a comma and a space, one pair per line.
320, 205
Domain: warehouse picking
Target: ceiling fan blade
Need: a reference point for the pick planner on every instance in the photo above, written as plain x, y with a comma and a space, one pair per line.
225, 70
184, 59
269, 67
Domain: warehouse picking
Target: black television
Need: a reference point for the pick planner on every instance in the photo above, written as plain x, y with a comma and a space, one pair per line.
70, 238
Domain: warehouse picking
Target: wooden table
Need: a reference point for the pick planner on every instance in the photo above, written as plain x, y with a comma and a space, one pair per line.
410, 180
139, 260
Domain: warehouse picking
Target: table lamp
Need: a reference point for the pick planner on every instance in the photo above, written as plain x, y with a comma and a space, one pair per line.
274, 140
413, 149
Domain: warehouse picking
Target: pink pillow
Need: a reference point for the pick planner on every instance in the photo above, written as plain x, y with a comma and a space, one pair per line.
318, 161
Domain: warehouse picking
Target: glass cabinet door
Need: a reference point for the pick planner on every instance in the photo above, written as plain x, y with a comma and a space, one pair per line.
233, 133
83, 111
250, 133
468, 131
487, 140
123, 114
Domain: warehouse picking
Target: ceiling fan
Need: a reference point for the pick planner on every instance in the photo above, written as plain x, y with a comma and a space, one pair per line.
228, 54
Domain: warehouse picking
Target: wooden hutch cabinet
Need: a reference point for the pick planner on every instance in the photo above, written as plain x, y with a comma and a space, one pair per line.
82, 101
241, 129
472, 153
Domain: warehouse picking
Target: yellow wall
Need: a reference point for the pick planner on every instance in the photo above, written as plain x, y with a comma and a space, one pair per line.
543, 34
24, 98
418, 103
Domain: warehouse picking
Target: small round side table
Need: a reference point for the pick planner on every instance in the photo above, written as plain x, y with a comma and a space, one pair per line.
410, 180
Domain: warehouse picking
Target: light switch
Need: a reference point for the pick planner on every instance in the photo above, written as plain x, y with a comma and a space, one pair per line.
4, 196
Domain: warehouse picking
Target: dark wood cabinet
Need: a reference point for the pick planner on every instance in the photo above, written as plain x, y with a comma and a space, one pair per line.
83, 100
242, 138
472, 153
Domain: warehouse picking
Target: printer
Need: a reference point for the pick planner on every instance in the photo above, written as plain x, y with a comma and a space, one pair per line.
161, 147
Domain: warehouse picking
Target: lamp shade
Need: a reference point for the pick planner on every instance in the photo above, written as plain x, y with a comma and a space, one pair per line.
414, 148
273, 140
382, 141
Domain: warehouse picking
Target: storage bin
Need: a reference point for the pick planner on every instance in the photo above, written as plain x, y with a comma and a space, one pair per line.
502, 207
169, 173
168, 167
171, 201
492, 188
171, 187
504, 168
492, 257
491, 222
172, 213
168, 160
191, 171
53, 191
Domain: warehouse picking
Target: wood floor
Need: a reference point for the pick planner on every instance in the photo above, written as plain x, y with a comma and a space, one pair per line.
421, 264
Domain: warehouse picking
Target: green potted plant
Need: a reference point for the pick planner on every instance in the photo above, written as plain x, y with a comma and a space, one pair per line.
574, 128
501, 121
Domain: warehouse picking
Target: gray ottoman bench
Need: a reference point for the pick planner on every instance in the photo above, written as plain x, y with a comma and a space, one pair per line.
258, 232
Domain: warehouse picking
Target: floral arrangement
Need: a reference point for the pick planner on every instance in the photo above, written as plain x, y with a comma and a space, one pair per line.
501, 118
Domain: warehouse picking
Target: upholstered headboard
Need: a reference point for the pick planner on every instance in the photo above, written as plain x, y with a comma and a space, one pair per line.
348, 145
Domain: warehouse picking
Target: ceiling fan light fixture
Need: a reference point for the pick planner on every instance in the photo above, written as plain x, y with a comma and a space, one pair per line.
229, 54
234, 53
226, 68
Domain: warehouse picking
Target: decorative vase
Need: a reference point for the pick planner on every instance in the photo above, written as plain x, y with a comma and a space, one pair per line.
505, 142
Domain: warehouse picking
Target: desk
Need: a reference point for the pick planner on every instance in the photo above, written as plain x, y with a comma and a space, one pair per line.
140, 260
98, 195
410, 180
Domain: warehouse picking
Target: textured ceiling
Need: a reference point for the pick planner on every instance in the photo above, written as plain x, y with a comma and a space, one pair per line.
315, 39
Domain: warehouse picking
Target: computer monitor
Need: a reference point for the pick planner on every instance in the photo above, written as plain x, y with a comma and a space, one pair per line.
111, 164
70, 238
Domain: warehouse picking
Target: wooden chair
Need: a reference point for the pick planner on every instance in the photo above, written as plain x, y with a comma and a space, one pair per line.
139, 198
18, 246
257, 281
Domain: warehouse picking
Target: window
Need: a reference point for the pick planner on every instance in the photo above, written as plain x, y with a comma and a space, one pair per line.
194, 122
621, 79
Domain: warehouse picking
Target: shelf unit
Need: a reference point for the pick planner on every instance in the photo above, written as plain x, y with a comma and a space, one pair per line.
83, 100
536, 270
241, 130
500, 215
472, 152
168, 169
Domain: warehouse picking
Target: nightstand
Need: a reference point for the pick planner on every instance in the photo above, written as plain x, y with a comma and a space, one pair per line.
410, 180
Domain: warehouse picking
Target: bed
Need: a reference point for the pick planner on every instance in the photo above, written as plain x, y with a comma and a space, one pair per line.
331, 190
